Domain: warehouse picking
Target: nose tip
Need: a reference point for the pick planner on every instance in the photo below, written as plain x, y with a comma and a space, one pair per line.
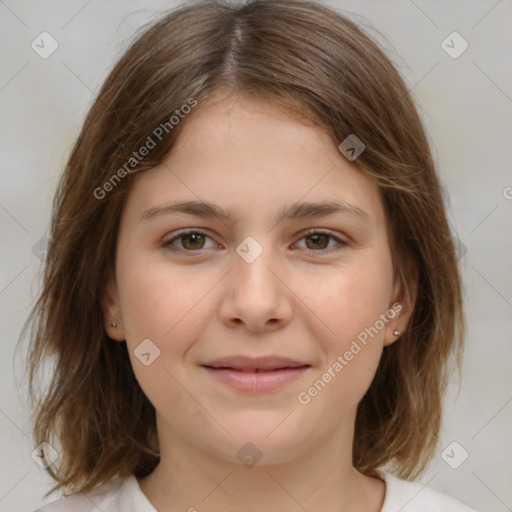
257, 297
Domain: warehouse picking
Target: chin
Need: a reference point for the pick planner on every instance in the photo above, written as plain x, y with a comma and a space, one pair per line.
263, 445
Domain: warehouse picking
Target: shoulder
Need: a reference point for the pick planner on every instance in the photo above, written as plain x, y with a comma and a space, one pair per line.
123, 494
405, 496
104, 498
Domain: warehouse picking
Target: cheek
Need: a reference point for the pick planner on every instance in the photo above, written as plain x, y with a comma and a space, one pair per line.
161, 304
165, 308
350, 299
351, 346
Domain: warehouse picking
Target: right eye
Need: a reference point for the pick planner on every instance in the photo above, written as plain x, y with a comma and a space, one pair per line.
191, 240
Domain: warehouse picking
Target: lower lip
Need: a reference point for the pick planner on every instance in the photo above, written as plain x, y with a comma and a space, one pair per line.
257, 382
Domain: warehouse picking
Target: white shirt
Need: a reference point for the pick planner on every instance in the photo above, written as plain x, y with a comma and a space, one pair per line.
125, 495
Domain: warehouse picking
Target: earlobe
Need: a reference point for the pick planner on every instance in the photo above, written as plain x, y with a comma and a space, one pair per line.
111, 313
403, 305
394, 329
115, 331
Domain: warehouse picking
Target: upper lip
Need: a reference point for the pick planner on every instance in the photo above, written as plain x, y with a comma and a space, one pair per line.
247, 363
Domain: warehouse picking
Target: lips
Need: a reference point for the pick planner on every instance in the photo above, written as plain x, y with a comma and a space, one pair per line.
254, 364
255, 375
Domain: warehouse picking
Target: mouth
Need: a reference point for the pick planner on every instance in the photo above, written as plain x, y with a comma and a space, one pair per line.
256, 375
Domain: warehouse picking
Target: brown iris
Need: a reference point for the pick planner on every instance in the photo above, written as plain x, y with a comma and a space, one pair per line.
195, 237
316, 237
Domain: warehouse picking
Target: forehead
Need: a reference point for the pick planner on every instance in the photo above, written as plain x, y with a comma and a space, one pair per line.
250, 154
215, 122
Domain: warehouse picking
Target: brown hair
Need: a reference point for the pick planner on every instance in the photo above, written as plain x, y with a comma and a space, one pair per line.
313, 62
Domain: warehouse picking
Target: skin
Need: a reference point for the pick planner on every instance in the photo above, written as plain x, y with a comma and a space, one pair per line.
301, 298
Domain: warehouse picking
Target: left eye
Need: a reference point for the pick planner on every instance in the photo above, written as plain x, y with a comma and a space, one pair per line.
319, 237
192, 241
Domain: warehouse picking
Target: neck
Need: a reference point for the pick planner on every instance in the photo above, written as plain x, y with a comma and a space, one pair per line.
188, 479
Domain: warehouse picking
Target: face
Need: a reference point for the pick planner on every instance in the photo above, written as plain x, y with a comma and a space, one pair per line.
265, 325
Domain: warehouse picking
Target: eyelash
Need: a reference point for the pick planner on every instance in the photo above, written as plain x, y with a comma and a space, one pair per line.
181, 234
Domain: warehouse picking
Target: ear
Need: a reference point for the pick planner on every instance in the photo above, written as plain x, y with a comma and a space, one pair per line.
112, 318
402, 303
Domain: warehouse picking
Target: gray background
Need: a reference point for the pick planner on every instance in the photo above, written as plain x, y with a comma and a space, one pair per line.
466, 103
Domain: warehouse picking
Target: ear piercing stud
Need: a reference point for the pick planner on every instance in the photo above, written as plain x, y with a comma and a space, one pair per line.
113, 324
396, 332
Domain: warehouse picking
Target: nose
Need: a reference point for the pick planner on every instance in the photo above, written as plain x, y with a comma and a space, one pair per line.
256, 294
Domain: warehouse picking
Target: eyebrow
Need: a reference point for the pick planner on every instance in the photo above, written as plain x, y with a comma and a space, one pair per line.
302, 210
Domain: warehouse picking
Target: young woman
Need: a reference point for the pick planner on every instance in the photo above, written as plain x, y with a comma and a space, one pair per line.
251, 294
